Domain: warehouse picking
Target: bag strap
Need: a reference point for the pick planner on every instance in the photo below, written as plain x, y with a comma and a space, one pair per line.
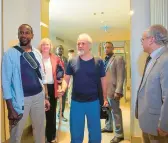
99, 86
22, 51
96, 60
19, 49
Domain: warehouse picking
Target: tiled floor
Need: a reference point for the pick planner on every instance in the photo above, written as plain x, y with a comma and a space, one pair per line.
106, 137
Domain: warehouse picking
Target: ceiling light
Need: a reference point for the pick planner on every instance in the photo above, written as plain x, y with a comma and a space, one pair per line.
131, 12
102, 12
43, 24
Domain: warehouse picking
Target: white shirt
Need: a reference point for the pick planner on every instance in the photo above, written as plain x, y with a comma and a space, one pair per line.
39, 59
48, 71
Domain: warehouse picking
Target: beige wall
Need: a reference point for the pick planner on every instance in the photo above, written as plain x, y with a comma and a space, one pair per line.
128, 65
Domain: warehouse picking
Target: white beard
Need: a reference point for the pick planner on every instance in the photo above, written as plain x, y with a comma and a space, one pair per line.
81, 52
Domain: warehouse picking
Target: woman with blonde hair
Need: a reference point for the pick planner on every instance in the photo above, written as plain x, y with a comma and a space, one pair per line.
51, 63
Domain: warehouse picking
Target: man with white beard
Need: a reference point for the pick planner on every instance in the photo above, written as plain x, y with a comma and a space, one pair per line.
87, 72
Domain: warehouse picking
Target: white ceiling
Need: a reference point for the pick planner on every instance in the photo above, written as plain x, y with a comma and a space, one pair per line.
69, 18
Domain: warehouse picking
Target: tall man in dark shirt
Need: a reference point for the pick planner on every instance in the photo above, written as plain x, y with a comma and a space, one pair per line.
22, 87
85, 100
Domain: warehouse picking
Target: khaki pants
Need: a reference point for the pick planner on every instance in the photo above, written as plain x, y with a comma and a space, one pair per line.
33, 106
147, 138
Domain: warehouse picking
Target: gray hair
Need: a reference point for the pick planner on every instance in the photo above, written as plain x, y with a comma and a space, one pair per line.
86, 37
160, 34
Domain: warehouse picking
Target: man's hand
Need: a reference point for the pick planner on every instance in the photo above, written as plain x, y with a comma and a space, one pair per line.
60, 92
47, 105
117, 96
105, 103
13, 117
12, 114
162, 133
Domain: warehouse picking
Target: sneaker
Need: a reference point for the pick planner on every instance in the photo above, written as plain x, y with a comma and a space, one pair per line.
116, 140
64, 119
104, 130
53, 141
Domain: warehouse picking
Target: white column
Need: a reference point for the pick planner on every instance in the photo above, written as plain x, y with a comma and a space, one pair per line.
17, 13
140, 21
159, 12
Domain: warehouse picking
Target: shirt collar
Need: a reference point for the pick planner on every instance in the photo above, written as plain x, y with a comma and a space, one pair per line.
154, 53
109, 56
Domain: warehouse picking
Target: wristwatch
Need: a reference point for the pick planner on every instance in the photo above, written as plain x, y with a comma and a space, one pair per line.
47, 97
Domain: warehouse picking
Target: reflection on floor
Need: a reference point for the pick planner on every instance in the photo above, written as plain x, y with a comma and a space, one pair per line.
106, 137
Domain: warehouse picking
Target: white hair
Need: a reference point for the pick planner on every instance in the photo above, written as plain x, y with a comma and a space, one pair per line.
85, 36
160, 34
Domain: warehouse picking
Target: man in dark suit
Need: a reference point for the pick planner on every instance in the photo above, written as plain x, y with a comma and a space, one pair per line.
115, 75
60, 53
152, 99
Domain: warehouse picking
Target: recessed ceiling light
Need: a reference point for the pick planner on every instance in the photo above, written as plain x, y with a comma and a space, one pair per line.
131, 12
102, 12
94, 13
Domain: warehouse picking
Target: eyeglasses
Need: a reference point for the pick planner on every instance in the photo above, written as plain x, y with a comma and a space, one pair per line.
142, 39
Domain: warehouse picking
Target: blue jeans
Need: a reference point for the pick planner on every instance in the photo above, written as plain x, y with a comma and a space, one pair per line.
78, 111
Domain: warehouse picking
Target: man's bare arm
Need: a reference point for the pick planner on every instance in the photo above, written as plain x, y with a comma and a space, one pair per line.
65, 82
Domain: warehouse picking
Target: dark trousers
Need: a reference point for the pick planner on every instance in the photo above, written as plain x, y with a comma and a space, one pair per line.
51, 115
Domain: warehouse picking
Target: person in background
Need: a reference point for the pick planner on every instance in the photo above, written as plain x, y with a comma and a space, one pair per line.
71, 54
85, 98
115, 74
50, 62
22, 84
60, 53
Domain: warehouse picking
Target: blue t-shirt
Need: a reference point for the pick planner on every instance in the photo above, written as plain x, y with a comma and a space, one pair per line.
30, 80
85, 78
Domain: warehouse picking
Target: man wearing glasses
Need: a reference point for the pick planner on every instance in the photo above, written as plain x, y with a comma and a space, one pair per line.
152, 98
